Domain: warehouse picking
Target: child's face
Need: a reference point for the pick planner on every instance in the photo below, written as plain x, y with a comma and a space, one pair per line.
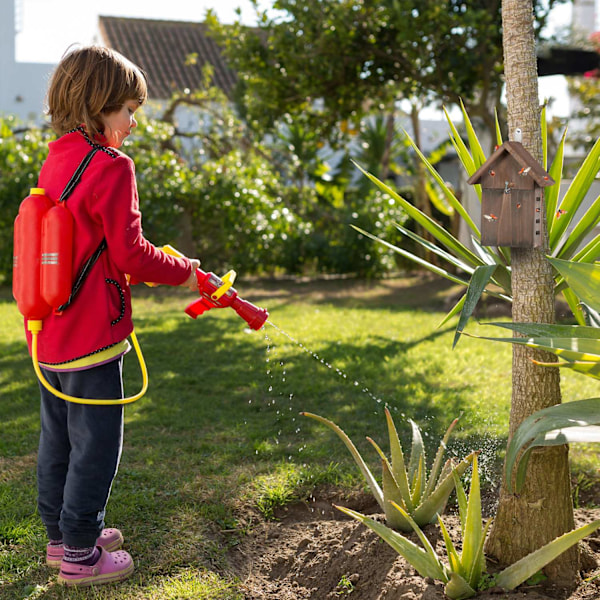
118, 124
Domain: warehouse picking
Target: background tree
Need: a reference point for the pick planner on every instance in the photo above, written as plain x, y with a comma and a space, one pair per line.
544, 509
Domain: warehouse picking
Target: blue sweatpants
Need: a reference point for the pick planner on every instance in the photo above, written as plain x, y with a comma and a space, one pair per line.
79, 452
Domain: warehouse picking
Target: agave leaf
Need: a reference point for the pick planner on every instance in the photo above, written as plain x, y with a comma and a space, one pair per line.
583, 279
551, 192
589, 252
398, 463
435, 502
431, 267
371, 482
453, 311
551, 330
520, 571
479, 280
420, 559
589, 369
438, 198
429, 224
533, 428
439, 457
584, 225
574, 196
574, 305
498, 131
450, 197
457, 588
461, 150
476, 150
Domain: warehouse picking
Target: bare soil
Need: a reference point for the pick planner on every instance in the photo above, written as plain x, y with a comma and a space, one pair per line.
312, 551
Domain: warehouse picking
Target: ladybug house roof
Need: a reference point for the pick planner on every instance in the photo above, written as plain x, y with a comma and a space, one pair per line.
527, 164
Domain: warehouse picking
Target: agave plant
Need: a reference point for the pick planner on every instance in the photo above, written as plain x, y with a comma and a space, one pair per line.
578, 348
420, 496
487, 269
463, 572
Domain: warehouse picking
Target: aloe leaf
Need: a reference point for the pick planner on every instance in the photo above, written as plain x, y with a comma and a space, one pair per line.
472, 534
418, 482
449, 195
457, 588
479, 280
574, 196
392, 496
453, 557
420, 559
583, 279
422, 537
417, 451
436, 501
371, 482
524, 568
439, 457
479, 565
572, 414
398, 463
552, 192
461, 498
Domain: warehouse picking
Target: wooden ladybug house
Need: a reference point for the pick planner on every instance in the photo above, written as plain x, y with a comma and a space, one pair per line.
512, 193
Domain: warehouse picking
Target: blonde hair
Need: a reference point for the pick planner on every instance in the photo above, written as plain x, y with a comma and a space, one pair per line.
91, 81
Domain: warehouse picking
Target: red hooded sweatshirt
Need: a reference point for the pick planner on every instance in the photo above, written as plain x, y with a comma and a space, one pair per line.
104, 205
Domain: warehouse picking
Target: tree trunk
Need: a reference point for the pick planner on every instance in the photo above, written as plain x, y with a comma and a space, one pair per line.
544, 509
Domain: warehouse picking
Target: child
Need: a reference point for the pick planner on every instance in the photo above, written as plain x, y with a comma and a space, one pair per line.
93, 95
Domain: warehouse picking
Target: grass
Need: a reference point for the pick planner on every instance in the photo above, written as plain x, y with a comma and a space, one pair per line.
218, 437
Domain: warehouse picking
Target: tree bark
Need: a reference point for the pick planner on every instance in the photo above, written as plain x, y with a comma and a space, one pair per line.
544, 509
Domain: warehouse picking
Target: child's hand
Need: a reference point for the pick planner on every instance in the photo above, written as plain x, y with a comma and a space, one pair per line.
192, 282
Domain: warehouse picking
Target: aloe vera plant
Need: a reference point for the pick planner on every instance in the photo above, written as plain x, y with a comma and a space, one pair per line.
419, 495
463, 572
488, 269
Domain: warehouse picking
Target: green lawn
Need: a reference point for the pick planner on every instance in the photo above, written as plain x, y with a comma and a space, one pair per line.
219, 431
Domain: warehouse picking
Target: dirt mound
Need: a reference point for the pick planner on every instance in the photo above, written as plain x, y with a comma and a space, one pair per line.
312, 551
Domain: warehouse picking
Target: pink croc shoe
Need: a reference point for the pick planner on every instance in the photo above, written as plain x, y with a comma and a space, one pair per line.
111, 567
110, 539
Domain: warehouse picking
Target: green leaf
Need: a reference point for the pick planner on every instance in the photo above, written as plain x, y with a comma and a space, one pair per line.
398, 463
476, 149
436, 467
533, 430
523, 569
479, 280
583, 279
450, 197
372, 483
552, 192
417, 452
421, 560
472, 541
457, 588
498, 131
574, 196
453, 311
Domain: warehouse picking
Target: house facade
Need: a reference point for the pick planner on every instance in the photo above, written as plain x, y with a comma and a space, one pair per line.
22, 85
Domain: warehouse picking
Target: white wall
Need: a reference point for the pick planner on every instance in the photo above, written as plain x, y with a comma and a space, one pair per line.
22, 85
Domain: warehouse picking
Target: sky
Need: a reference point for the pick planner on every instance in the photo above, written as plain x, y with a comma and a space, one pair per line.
46, 28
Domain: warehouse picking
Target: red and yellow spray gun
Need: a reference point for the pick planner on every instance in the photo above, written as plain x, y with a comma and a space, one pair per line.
218, 292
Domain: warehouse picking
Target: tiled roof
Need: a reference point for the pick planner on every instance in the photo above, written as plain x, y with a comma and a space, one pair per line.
162, 49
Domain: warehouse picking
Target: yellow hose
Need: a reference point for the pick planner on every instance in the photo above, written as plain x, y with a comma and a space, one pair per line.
35, 326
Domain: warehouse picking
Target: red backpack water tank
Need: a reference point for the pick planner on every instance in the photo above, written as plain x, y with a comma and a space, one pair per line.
27, 255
